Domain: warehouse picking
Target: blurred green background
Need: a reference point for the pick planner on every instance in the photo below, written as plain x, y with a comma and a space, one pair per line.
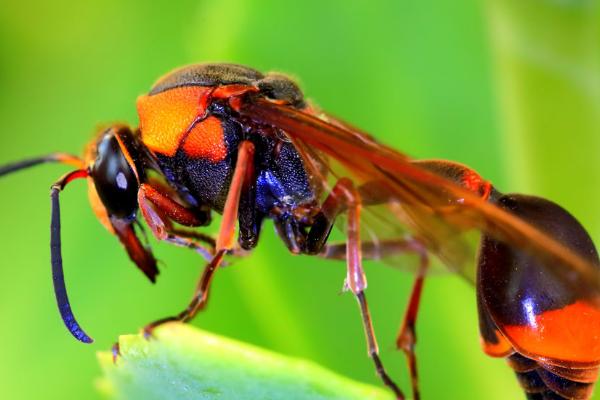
509, 87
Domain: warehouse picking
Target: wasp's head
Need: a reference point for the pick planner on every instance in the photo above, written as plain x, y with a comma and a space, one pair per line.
114, 165
115, 168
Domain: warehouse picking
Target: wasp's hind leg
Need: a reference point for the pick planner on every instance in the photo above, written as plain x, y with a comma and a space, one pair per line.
345, 197
225, 241
406, 339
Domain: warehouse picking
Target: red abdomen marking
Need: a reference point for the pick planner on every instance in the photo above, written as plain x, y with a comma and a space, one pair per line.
166, 117
570, 334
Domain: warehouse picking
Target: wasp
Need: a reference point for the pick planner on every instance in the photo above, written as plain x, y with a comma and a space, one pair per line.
227, 139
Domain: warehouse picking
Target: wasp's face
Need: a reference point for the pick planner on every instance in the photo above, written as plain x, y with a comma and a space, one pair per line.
116, 162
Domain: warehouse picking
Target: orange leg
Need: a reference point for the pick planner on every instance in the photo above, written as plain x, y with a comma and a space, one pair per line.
155, 211
169, 207
356, 280
199, 236
225, 240
407, 338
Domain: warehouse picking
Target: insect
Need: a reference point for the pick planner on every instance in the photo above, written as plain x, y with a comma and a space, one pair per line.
228, 139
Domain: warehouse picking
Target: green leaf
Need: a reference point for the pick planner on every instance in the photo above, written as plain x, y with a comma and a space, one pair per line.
183, 362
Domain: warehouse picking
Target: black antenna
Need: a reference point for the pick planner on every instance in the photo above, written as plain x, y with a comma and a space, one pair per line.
58, 277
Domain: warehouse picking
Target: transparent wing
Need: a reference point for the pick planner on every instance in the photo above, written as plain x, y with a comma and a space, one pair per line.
387, 226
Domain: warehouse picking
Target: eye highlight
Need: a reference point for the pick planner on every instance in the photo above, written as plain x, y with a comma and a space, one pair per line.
114, 178
121, 181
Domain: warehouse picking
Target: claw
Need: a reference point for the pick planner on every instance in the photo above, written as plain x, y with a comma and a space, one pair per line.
147, 332
116, 352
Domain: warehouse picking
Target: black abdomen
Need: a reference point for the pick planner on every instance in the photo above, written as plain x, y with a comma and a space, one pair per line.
548, 330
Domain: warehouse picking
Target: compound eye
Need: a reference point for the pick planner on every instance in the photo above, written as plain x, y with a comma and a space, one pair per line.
115, 181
